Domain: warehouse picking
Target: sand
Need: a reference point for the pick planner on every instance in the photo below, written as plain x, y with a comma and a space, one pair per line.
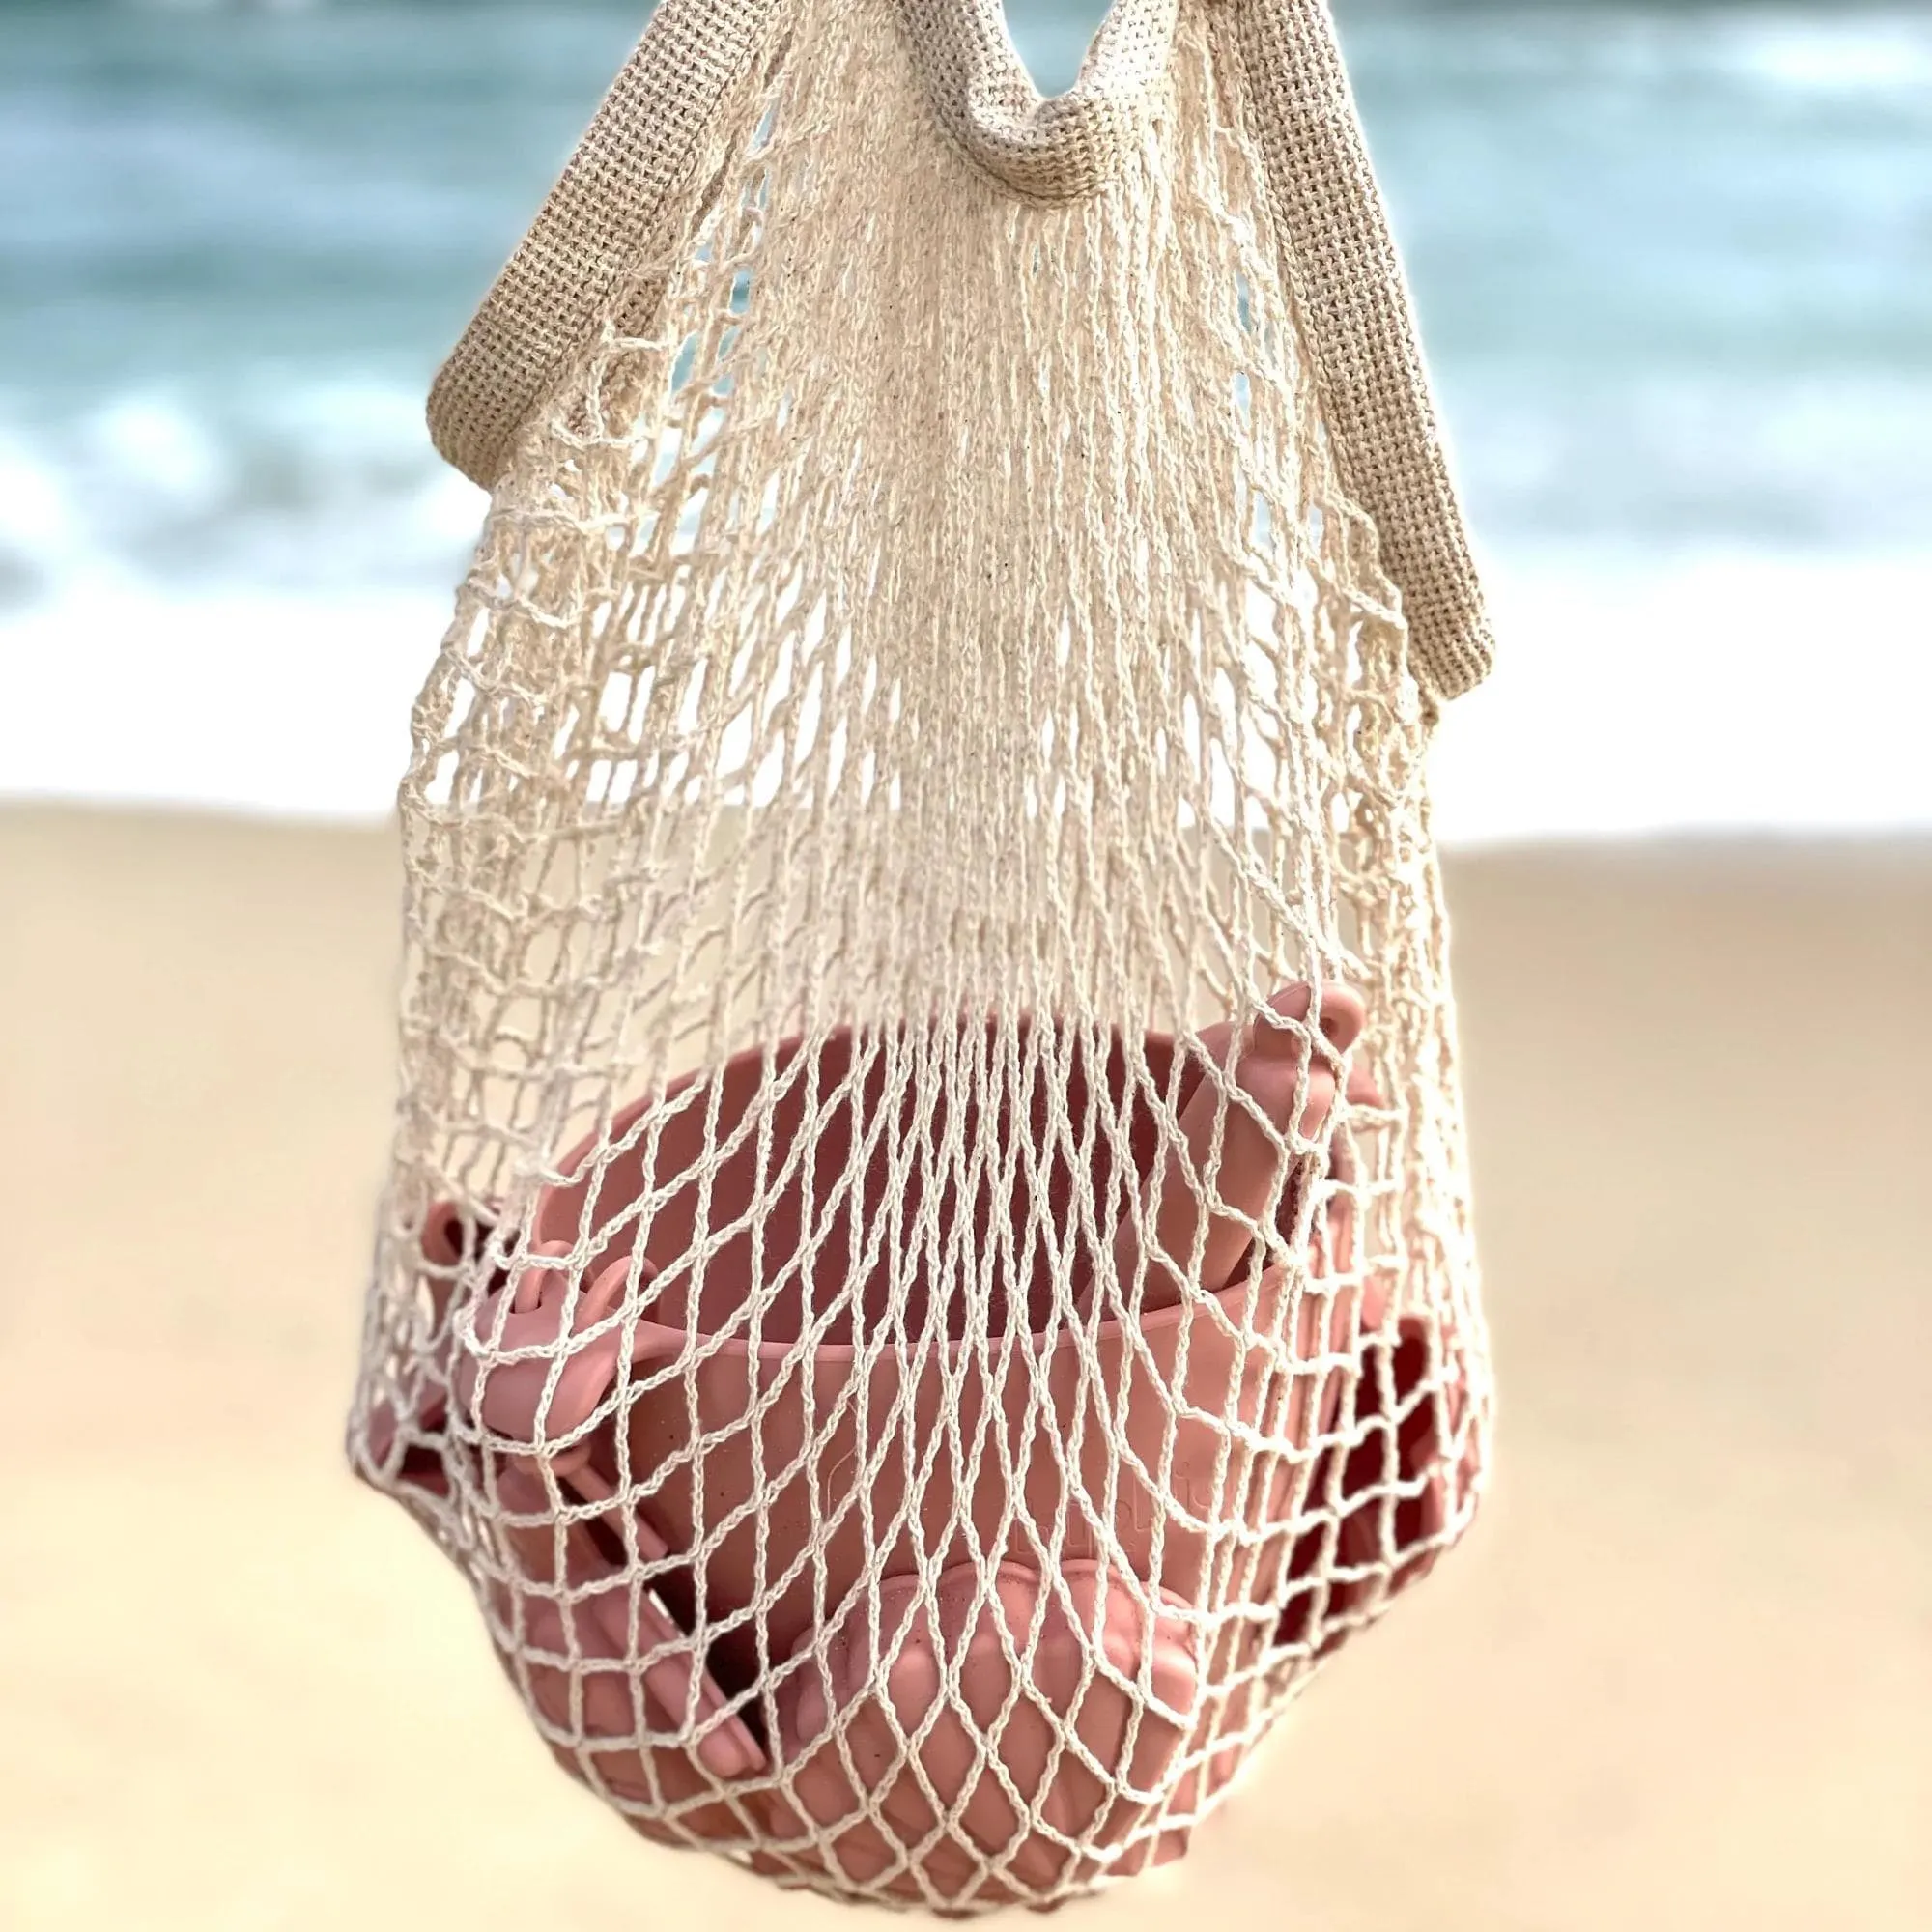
1681, 1676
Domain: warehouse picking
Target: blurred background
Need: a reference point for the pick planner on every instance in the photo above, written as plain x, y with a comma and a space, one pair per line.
1671, 262
1674, 270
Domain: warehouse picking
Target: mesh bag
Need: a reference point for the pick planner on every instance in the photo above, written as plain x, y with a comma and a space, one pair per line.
926, 1280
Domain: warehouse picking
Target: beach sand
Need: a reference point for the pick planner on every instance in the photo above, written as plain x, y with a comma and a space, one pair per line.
1680, 1677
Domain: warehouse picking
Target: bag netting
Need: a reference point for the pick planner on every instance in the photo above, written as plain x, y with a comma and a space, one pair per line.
927, 1278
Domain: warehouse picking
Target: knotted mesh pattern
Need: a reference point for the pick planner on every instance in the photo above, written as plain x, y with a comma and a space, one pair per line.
927, 1278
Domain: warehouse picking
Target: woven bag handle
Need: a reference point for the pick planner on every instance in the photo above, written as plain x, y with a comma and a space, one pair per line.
1345, 278
629, 173
626, 176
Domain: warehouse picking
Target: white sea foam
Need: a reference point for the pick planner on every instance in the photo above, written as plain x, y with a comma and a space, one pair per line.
314, 485
288, 706
1856, 52
1715, 692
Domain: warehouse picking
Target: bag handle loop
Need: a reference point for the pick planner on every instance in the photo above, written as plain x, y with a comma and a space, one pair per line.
636, 160
1052, 148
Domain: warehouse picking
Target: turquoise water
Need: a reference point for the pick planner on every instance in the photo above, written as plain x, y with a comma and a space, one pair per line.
1674, 265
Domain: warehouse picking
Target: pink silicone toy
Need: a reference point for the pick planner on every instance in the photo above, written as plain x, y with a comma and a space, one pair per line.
718, 1412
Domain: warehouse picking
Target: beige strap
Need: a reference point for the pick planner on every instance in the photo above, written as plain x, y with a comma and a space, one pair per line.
1347, 284
621, 182
1334, 239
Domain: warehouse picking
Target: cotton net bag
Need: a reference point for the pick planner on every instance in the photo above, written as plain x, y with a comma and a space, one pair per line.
926, 1279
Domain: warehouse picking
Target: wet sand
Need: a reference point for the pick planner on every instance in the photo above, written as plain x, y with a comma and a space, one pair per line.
1680, 1677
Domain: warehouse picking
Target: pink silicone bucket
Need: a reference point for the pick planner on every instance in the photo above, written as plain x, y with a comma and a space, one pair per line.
856, 1526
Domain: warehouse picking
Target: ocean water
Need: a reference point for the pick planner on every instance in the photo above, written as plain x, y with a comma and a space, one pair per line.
1673, 263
